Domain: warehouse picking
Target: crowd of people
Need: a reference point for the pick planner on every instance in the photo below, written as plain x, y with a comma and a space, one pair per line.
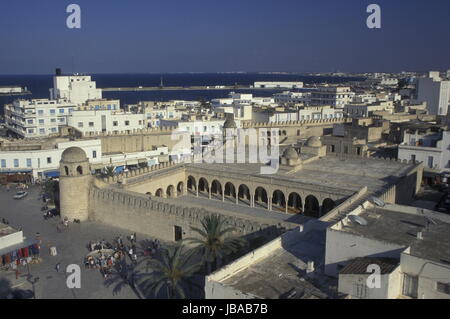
104, 255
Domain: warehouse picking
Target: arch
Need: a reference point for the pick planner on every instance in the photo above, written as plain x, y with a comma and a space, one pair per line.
327, 205
295, 205
66, 169
216, 189
312, 207
203, 185
192, 184
159, 192
180, 189
278, 200
80, 170
244, 193
230, 191
170, 191
261, 197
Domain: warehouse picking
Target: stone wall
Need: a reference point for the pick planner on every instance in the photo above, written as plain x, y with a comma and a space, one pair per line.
138, 213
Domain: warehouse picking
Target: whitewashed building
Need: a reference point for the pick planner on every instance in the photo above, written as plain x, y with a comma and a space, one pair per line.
336, 96
431, 148
75, 88
106, 121
435, 92
278, 85
37, 117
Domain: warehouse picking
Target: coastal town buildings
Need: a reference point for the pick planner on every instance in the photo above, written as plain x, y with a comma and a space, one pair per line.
435, 92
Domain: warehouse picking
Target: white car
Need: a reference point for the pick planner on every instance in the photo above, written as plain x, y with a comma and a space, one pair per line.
20, 195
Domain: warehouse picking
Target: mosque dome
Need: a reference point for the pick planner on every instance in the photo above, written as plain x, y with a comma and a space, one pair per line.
290, 153
314, 141
73, 155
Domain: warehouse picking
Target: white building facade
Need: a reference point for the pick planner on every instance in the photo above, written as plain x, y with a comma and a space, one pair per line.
435, 92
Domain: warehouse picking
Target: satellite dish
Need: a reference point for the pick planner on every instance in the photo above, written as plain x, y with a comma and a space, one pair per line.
378, 201
358, 220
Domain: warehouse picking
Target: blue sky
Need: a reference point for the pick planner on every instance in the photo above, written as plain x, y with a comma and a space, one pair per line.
147, 36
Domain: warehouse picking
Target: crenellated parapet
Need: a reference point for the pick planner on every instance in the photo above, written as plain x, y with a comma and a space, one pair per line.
141, 206
144, 131
295, 123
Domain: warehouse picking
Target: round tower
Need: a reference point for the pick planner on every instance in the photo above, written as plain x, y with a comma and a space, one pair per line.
74, 182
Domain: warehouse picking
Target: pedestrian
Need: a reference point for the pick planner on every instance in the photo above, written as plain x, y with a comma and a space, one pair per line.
58, 265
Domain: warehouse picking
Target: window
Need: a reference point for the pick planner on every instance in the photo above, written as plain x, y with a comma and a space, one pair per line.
16, 163
41, 121
52, 112
94, 154
115, 123
430, 161
413, 158
178, 233
42, 131
410, 285
28, 162
41, 112
3, 163
443, 287
30, 131
127, 123
91, 124
49, 160
360, 290
80, 124
30, 121
53, 120
61, 111
333, 148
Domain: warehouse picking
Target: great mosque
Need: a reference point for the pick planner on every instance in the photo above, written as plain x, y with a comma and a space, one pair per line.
166, 200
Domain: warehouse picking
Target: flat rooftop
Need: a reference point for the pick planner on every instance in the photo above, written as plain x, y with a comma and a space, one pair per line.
350, 174
282, 273
230, 208
401, 228
6, 230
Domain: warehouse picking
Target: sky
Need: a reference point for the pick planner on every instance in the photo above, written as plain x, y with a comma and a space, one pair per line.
167, 36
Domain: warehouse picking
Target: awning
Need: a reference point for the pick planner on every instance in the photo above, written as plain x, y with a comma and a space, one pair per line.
132, 162
119, 169
51, 174
25, 243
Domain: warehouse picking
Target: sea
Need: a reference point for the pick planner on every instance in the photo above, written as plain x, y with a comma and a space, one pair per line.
39, 85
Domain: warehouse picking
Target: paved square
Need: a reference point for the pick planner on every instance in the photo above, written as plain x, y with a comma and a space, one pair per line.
71, 249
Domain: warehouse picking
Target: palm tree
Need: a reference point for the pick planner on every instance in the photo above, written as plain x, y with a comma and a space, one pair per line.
109, 171
173, 271
125, 274
215, 242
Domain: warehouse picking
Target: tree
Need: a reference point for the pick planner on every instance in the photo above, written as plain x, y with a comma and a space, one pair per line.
216, 242
173, 271
51, 190
125, 274
109, 171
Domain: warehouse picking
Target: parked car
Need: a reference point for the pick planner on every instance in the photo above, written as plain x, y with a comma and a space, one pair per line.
20, 195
